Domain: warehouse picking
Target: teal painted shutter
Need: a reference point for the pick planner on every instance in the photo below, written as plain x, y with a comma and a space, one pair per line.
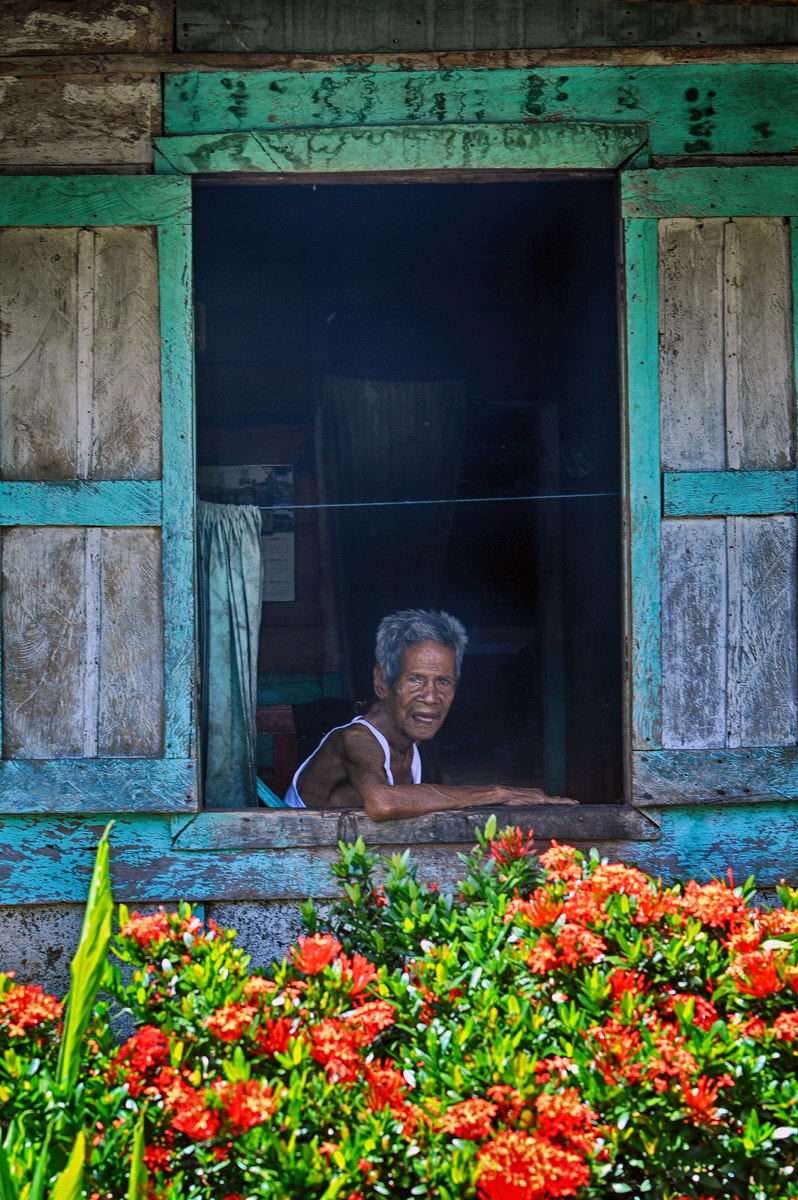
96, 495
711, 258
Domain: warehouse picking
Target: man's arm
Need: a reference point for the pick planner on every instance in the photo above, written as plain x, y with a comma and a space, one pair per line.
363, 761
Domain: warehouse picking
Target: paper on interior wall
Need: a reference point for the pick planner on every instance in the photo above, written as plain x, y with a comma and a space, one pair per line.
266, 485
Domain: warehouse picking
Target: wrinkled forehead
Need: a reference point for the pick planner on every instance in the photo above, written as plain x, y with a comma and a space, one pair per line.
429, 658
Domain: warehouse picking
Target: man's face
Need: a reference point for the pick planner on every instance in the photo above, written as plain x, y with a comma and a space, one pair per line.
423, 691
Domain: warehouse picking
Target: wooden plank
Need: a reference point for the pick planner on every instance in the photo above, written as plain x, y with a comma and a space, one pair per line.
71, 121
666, 777
406, 26
92, 577
643, 482
708, 191
760, 388
751, 104
126, 442
277, 829
92, 200
96, 502
87, 27
693, 633
728, 493
98, 785
130, 667
49, 859
177, 389
567, 144
44, 638
691, 344
768, 678
38, 353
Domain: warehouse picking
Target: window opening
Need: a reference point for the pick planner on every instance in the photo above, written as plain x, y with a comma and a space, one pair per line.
454, 346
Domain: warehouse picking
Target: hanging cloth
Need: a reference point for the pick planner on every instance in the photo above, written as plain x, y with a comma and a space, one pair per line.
230, 583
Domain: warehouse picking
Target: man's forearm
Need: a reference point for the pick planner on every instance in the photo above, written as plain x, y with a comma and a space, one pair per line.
414, 800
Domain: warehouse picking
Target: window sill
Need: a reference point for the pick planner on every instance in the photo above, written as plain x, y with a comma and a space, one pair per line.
280, 829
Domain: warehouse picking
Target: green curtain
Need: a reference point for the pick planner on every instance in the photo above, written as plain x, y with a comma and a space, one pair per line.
230, 583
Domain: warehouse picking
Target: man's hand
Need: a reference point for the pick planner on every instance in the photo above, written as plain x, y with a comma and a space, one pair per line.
529, 797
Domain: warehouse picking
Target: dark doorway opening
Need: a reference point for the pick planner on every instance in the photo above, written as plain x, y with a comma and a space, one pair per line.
451, 344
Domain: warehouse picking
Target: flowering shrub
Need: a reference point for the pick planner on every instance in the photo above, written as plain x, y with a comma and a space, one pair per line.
564, 1028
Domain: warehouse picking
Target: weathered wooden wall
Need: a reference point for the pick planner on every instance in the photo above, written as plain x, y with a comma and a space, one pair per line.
402, 26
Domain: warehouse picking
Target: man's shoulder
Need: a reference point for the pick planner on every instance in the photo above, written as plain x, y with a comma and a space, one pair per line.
359, 743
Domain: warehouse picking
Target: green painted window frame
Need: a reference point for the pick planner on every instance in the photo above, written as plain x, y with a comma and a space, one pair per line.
664, 776
97, 785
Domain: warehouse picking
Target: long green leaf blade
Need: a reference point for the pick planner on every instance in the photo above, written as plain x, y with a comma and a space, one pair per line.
87, 965
8, 1190
69, 1184
137, 1187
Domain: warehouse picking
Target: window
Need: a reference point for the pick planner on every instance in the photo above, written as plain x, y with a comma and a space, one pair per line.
433, 357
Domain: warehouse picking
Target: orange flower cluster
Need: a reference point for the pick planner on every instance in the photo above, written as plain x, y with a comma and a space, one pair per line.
315, 953
338, 1041
516, 1166
159, 926
26, 1007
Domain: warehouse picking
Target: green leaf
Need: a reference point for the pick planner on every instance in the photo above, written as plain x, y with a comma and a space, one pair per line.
69, 1184
137, 1186
87, 965
8, 1189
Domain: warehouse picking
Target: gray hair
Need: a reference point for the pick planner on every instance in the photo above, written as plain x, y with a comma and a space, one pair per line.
411, 626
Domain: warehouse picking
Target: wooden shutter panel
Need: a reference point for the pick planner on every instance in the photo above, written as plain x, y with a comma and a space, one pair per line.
711, 259
96, 495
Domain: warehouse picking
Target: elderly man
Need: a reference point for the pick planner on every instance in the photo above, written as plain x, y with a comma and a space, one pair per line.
373, 762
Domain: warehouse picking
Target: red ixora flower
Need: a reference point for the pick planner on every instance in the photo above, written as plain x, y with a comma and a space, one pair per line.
315, 953
515, 1166
469, 1119
247, 1104
141, 1056
757, 973
714, 904
510, 846
26, 1006
704, 1014
230, 1022
786, 1026
560, 863
358, 973
700, 1097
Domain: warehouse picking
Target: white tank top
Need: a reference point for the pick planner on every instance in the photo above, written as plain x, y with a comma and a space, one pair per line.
292, 797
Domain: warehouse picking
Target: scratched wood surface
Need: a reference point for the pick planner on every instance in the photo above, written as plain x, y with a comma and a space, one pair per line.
44, 641
408, 25
689, 108
44, 859
727, 409
79, 354
38, 353
692, 414
760, 387
131, 645
126, 441
694, 631
59, 121
82, 626
85, 27
762, 688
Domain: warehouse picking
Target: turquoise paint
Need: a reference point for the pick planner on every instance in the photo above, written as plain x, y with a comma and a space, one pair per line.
541, 145
643, 482
711, 192
278, 688
45, 860
678, 777
690, 108
98, 785
179, 568
90, 785
728, 493
80, 502
92, 200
